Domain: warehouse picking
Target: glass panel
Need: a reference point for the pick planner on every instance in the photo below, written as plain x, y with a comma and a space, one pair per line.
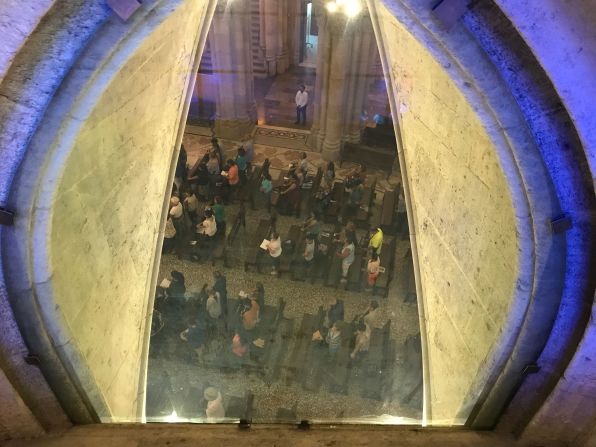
286, 285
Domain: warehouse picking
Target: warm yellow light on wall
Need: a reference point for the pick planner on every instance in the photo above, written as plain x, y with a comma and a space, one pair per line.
350, 8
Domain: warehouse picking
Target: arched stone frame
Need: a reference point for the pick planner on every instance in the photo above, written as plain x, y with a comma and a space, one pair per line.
9, 267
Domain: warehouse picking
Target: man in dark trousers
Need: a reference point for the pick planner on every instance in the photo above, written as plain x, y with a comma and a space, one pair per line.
301, 103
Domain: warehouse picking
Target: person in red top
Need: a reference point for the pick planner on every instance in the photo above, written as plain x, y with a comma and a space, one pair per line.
233, 178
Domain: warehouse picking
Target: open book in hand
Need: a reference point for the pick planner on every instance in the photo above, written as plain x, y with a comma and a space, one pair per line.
165, 283
265, 244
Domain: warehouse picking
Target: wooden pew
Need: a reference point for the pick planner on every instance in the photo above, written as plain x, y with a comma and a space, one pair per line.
388, 263
355, 273
280, 345
310, 199
388, 212
286, 263
375, 363
295, 361
336, 204
254, 183
240, 408
315, 359
253, 250
223, 246
334, 273
365, 211
323, 262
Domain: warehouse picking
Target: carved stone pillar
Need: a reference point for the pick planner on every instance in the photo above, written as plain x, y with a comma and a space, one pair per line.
271, 30
364, 53
335, 39
231, 54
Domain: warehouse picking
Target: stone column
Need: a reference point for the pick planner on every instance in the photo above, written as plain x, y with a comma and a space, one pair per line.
335, 43
363, 54
271, 34
232, 67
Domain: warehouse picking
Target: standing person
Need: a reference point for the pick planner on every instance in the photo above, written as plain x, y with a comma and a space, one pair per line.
220, 215
275, 250
329, 176
180, 173
309, 253
303, 164
347, 258
215, 410
233, 177
250, 317
333, 340
241, 163
194, 335
372, 270
376, 240
259, 294
249, 150
168, 237
266, 188
362, 342
218, 152
191, 205
301, 103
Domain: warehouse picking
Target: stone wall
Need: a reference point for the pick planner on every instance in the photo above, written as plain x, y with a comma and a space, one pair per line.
101, 161
464, 221
108, 204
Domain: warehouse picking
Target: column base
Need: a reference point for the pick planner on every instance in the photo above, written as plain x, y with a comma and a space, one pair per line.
331, 151
233, 129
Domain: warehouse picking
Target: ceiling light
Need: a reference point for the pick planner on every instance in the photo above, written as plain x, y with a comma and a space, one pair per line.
331, 7
352, 8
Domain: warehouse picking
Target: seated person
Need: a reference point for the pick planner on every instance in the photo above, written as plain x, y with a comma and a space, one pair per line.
362, 342
208, 227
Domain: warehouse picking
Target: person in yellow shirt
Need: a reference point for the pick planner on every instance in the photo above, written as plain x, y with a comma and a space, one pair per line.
376, 240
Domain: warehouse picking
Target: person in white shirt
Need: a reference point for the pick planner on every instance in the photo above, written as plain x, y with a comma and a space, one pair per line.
176, 208
169, 234
208, 227
301, 103
215, 410
275, 250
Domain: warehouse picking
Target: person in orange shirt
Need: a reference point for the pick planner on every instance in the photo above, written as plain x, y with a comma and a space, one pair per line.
233, 178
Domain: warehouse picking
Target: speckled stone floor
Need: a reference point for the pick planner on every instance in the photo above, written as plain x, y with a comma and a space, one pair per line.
403, 399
